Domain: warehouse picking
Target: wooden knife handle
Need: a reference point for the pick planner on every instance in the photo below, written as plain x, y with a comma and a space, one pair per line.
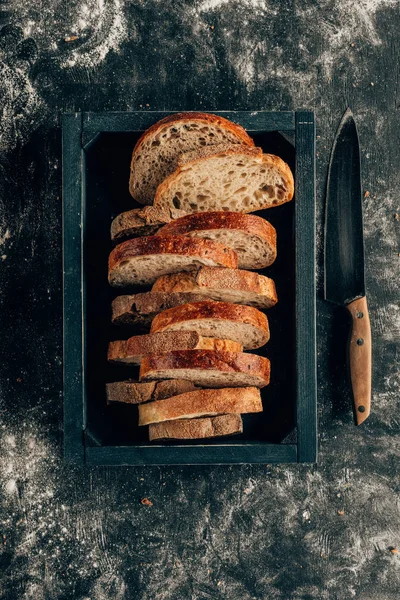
360, 358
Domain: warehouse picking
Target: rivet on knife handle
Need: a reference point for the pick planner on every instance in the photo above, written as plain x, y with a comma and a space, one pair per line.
360, 358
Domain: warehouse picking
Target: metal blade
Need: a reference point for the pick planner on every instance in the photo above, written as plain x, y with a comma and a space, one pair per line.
344, 241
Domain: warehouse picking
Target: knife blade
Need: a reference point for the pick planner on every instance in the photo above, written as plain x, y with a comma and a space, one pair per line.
344, 281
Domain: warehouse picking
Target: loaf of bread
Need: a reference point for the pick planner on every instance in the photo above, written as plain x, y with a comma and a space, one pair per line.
142, 260
252, 238
131, 351
224, 285
237, 180
134, 392
201, 403
207, 368
194, 429
223, 320
156, 154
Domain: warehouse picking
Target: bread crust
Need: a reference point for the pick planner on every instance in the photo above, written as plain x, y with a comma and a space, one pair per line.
226, 362
206, 118
193, 429
269, 160
217, 278
206, 221
206, 402
235, 313
141, 221
134, 392
179, 245
131, 351
140, 309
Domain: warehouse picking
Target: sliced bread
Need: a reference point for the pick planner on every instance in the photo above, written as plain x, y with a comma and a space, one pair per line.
133, 392
155, 155
139, 310
194, 429
128, 352
239, 180
208, 368
225, 285
201, 403
139, 222
252, 238
223, 320
140, 261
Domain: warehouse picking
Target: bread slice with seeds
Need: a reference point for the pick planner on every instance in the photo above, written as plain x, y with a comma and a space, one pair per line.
208, 368
223, 320
142, 260
131, 351
202, 403
251, 237
195, 429
239, 179
156, 154
224, 285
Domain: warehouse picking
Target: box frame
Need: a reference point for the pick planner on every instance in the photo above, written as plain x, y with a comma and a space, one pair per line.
79, 131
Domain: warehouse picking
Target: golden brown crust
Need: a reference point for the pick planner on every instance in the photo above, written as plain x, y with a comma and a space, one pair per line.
197, 282
192, 429
172, 245
226, 362
269, 160
206, 402
236, 313
207, 118
131, 351
241, 280
250, 224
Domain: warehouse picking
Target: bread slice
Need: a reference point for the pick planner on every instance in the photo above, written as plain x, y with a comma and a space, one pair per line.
224, 320
138, 310
140, 261
133, 392
252, 238
128, 352
139, 222
155, 155
238, 180
201, 403
208, 368
224, 285
194, 429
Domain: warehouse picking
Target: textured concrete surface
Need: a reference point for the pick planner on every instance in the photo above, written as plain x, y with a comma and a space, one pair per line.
285, 532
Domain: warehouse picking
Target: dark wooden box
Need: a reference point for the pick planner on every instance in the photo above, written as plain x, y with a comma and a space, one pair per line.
96, 156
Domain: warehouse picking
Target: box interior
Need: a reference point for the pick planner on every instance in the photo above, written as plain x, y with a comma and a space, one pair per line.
106, 189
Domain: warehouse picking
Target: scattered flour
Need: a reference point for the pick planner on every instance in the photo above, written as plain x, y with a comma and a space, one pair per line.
102, 25
336, 25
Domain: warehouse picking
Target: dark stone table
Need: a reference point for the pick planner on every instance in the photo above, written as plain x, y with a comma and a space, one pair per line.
329, 531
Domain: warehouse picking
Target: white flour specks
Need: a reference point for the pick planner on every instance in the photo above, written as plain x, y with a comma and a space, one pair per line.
210, 5
21, 107
336, 25
102, 27
4, 236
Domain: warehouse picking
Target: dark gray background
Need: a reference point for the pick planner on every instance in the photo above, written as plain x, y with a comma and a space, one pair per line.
226, 533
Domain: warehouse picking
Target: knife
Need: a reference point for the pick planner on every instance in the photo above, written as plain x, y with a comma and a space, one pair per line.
344, 282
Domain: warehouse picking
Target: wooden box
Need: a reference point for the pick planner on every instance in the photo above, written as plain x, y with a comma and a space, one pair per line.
96, 157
